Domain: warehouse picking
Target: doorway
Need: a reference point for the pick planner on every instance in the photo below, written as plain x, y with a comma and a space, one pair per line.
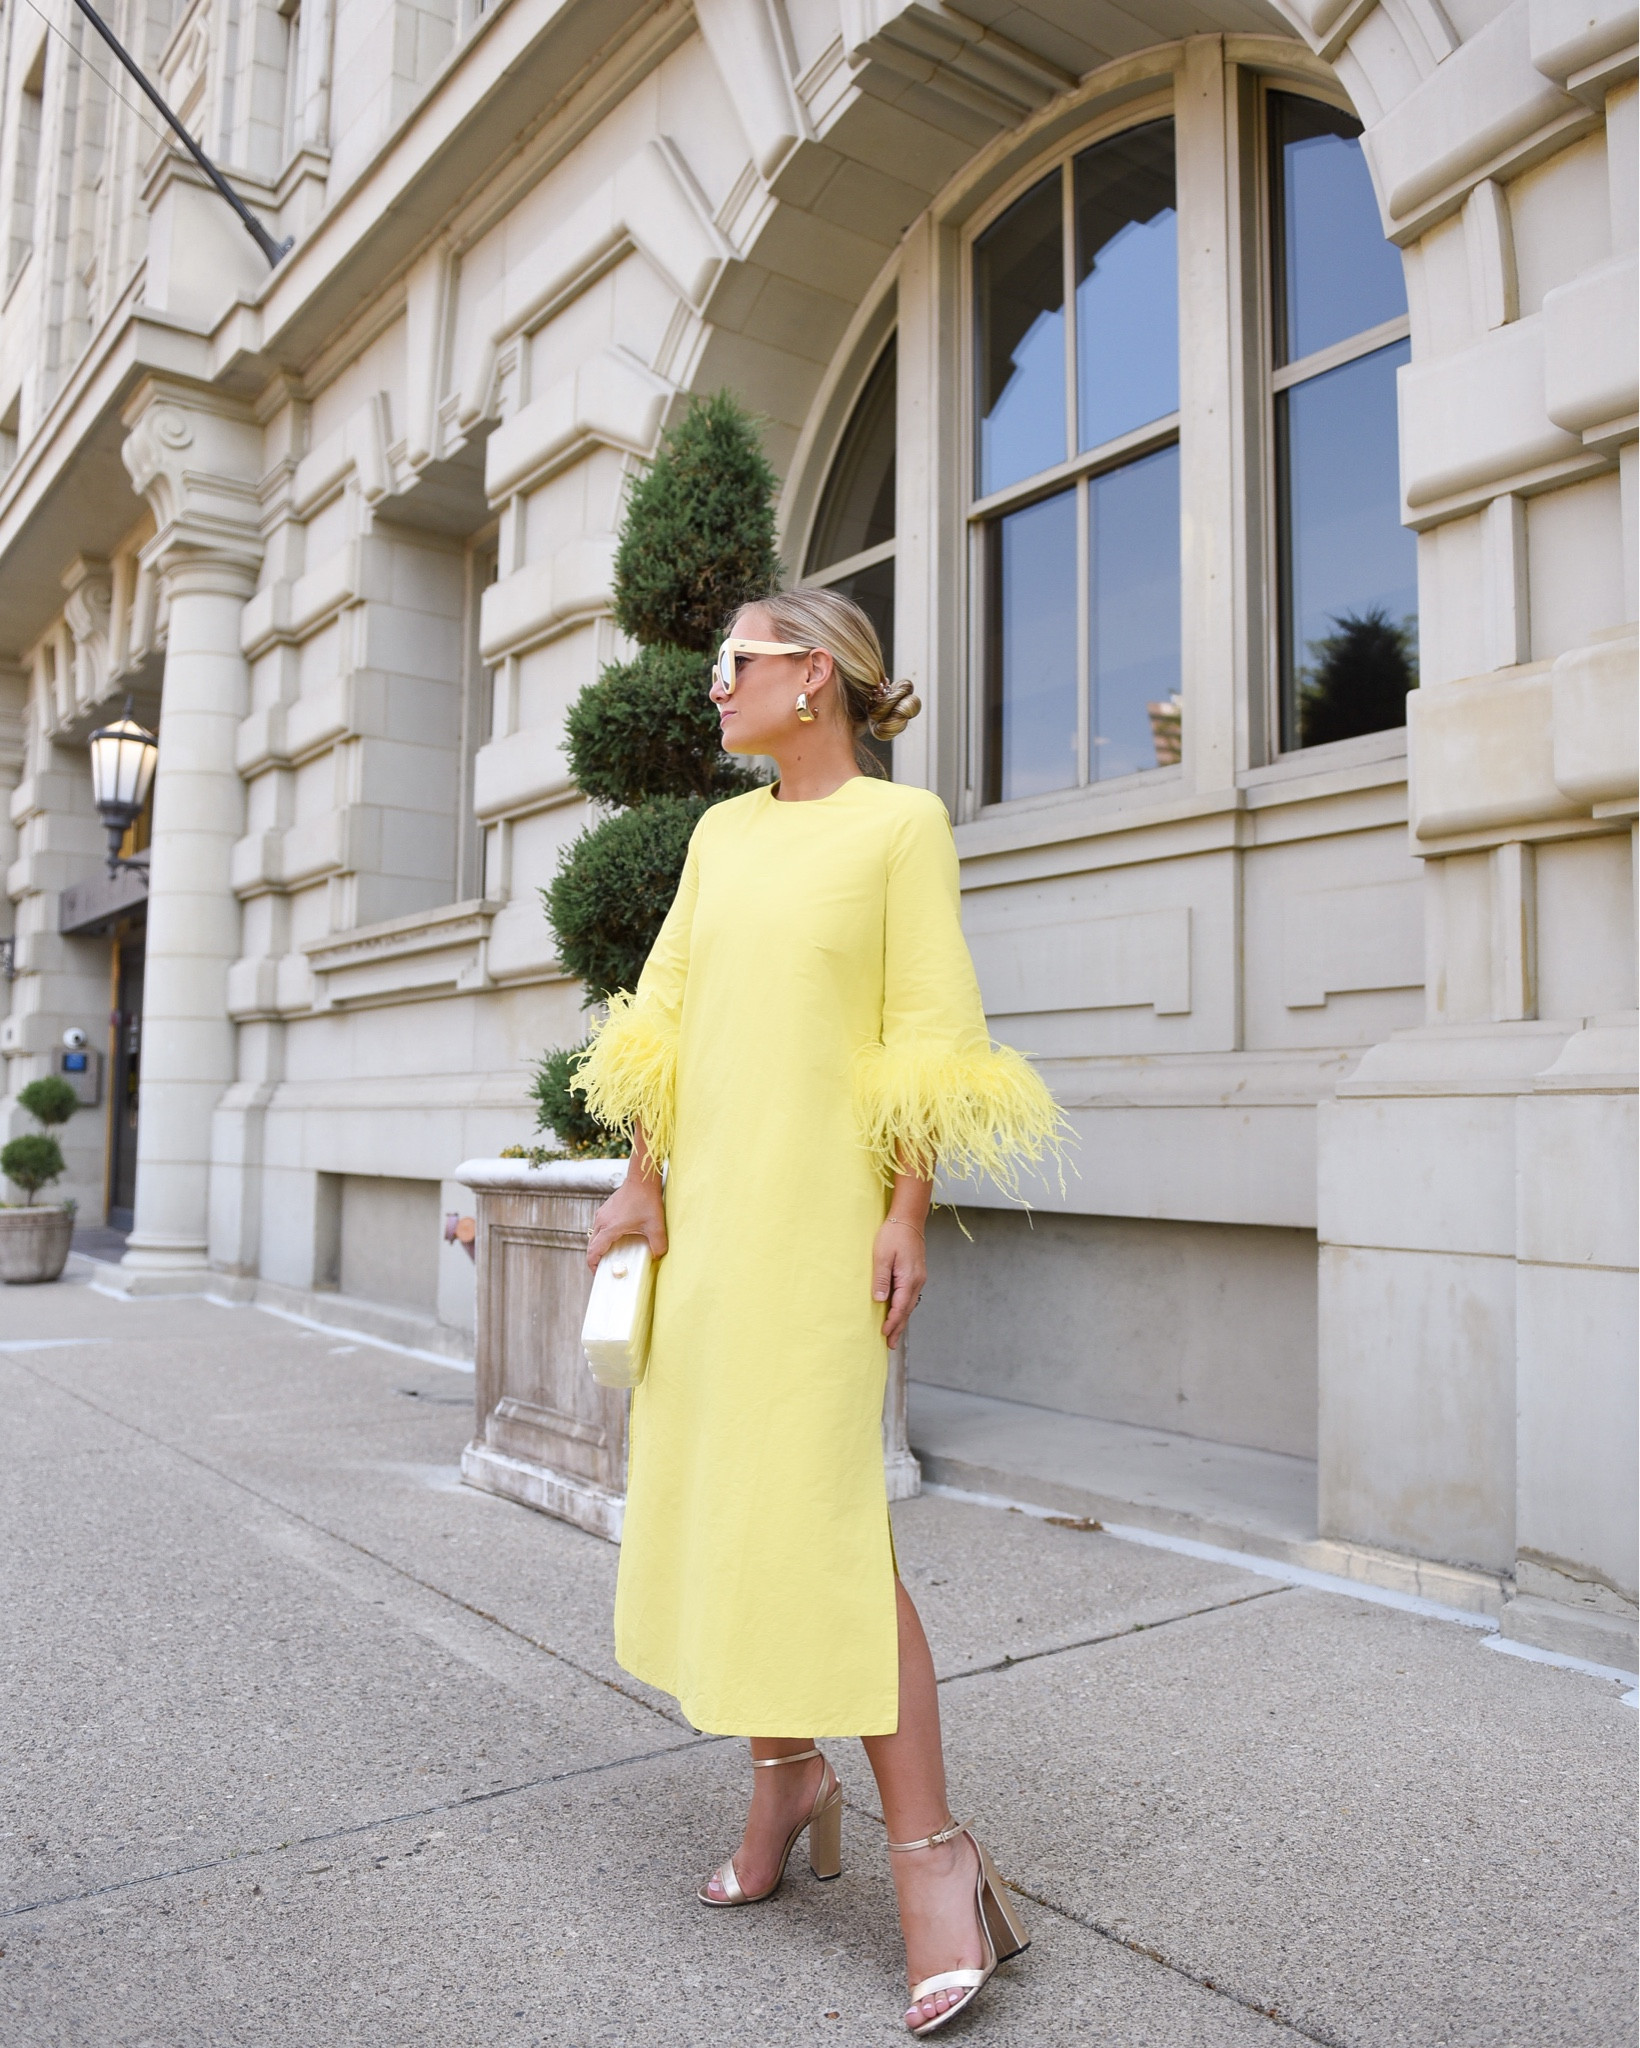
124, 1068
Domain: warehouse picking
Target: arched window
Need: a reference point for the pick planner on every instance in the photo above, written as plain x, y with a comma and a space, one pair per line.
1082, 315
851, 546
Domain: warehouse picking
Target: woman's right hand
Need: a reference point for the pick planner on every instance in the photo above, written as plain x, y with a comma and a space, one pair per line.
634, 1210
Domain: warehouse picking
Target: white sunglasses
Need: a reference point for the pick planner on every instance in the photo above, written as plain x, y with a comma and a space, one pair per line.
728, 655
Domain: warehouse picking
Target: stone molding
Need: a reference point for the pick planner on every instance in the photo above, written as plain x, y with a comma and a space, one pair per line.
197, 458
1550, 745
89, 613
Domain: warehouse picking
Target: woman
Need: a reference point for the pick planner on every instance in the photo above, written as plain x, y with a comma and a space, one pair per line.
805, 1041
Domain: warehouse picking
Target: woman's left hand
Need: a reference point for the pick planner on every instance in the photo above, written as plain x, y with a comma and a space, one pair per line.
899, 1266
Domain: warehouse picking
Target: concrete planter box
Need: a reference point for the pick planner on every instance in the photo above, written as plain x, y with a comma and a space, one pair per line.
546, 1433
34, 1244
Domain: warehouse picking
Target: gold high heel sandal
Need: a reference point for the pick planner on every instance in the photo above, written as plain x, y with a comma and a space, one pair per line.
1001, 1929
824, 1822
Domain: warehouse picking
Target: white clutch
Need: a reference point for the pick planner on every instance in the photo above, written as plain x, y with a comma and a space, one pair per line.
615, 1335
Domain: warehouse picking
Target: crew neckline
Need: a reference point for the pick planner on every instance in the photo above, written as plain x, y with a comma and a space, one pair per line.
803, 803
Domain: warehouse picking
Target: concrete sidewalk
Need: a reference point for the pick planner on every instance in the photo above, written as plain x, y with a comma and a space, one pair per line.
309, 1744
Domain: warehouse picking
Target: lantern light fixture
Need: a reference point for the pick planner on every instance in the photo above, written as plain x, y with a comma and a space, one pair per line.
122, 773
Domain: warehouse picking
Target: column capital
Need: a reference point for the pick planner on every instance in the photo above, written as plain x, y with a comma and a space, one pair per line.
196, 456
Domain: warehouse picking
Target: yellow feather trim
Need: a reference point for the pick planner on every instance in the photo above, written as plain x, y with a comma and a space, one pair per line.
984, 1111
628, 1073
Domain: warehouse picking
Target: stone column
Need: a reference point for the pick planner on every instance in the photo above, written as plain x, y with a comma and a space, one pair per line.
196, 459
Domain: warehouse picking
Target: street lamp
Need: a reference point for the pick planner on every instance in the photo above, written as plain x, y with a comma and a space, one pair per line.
122, 773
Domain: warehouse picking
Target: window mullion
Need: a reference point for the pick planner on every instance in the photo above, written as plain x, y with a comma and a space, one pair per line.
1366, 343
1084, 639
1067, 215
1210, 510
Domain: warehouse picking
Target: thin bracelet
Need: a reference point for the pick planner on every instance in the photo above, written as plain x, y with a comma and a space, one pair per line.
905, 1222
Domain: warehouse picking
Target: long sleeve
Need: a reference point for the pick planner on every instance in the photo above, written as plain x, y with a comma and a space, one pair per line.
629, 1071
934, 1090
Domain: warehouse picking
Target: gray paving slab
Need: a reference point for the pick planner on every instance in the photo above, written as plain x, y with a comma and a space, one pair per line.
1344, 1812
562, 1917
314, 1746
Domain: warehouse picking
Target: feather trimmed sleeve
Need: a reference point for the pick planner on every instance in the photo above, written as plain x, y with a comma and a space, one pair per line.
934, 1090
628, 1072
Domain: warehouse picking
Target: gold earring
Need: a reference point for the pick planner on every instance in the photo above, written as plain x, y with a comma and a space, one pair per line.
805, 715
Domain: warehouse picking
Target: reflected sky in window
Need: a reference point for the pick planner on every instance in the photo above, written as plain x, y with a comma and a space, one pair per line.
1033, 655
1339, 275
1133, 538
1127, 284
1347, 553
857, 507
1019, 288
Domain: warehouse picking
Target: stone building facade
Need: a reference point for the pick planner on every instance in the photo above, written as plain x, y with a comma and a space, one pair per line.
1143, 368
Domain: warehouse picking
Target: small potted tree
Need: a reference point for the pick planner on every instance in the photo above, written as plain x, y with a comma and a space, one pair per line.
34, 1238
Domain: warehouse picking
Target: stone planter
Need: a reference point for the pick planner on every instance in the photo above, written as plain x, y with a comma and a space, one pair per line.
547, 1434
34, 1243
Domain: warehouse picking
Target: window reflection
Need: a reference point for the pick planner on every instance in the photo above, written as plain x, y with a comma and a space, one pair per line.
856, 517
1336, 274
857, 505
1032, 611
1019, 290
873, 591
1127, 284
1133, 580
1350, 581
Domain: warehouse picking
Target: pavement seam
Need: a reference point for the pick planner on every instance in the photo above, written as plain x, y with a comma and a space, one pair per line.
1115, 1635
1215, 1985
360, 1827
352, 1543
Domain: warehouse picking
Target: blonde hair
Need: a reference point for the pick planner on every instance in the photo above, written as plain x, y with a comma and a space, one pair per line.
826, 619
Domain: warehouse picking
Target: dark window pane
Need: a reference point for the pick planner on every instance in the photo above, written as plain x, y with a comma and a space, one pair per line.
1019, 292
1133, 535
1349, 598
857, 507
1032, 668
873, 591
1335, 274
1127, 284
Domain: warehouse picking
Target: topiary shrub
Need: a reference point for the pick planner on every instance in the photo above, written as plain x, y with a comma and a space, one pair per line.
649, 728
698, 538
32, 1162
614, 886
561, 1108
696, 543
50, 1100
35, 1160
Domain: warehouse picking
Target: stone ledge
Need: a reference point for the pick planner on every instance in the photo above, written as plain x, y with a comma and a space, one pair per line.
1584, 1632
1250, 1500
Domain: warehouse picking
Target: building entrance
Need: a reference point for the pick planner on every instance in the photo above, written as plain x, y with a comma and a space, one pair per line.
124, 1066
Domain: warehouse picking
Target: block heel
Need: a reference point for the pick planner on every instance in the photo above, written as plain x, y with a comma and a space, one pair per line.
824, 1822
1001, 1930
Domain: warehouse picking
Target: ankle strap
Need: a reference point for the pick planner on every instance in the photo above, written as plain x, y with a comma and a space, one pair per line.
798, 1756
946, 1834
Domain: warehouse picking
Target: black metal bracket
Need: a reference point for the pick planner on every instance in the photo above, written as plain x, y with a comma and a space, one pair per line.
271, 249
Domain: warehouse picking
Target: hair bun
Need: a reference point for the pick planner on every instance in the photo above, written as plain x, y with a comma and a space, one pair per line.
899, 704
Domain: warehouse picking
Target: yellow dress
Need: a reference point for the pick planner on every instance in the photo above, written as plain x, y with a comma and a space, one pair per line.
808, 1015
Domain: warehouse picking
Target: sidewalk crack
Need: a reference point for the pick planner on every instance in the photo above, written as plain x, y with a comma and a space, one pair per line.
360, 1827
1216, 1985
1114, 1635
